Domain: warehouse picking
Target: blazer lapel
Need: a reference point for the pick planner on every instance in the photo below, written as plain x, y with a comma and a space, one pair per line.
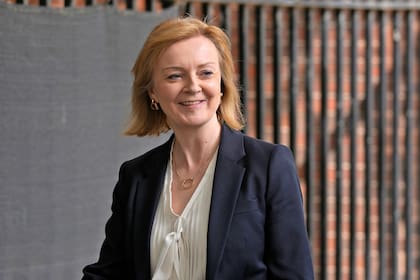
228, 177
148, 189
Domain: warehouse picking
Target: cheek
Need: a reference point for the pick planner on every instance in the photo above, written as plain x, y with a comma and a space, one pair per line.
215, 87
163, 93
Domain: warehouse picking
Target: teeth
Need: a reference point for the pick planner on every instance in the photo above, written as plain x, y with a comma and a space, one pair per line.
190, 102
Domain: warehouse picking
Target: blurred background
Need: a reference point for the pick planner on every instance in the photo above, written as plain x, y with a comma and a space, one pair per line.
336, 81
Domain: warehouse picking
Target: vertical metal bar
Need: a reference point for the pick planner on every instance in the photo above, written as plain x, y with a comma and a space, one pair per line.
129, 4
382, 147
324, 142
189, 9
293, 77
409, 150
167, 3
339, 144
150, 5
309, 151
368, 140
226, 19
277, 75
243, 57
260, 76
353, 141
396, 143
207, 11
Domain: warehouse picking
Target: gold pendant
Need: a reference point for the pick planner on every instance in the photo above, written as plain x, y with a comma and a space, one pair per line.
187, 183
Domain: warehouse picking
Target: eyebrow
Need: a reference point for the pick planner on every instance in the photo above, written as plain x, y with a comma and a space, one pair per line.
180, 68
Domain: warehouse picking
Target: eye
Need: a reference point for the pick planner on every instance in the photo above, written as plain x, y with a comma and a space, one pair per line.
174, 76
206, 73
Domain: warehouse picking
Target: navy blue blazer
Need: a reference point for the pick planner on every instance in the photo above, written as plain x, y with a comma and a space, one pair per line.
256, 225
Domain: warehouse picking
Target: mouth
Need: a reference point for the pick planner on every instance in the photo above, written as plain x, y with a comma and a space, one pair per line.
191, 102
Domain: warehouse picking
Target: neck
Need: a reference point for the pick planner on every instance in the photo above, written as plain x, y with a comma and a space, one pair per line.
193, 147
191, 156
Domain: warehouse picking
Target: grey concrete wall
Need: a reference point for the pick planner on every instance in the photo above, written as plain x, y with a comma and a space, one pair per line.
64, 97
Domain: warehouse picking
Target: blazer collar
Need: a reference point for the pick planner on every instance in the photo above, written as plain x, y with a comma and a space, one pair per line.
149, 184
228, 178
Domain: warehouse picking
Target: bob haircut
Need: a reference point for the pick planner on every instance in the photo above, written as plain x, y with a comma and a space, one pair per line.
145, 121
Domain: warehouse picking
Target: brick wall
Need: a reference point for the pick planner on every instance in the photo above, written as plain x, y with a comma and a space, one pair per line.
389, 183
344, 175
137, 5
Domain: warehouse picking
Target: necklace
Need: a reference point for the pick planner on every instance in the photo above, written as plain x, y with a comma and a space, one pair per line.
185, 183
188, 182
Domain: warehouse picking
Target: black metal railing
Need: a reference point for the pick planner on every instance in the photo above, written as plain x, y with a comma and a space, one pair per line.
349, 69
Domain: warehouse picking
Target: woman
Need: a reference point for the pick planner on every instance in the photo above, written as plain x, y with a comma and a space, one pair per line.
210, 203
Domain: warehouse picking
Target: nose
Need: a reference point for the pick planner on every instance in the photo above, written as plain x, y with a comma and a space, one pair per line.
193, 84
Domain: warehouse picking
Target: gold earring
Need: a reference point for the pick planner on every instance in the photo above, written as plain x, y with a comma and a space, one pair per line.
154, 105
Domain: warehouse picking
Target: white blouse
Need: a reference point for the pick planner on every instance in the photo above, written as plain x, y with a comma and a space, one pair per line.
179, 242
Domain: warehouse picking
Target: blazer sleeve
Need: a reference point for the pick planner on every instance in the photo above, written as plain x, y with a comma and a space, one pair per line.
288, 248
111, 264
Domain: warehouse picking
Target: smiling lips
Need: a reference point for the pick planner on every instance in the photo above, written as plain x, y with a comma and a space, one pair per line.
191, 103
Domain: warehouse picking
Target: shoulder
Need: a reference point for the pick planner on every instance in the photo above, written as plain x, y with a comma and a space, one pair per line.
236, 144
154, 157
262, 148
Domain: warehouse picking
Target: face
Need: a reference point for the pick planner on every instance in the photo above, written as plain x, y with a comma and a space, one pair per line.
187, 83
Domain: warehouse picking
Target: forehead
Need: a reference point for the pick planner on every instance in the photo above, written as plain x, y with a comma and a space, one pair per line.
195, 49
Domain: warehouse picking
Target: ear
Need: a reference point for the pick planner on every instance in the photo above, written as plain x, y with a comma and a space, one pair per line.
152, 95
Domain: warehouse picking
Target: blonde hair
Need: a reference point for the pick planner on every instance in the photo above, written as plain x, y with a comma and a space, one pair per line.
144, 120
